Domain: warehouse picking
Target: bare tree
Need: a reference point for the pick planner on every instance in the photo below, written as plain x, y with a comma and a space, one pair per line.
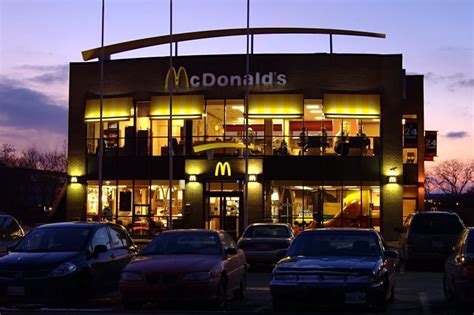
31, 158
453, 176
8, 156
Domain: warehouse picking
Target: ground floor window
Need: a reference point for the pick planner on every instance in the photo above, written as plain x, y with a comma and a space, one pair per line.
310, 206
142, 206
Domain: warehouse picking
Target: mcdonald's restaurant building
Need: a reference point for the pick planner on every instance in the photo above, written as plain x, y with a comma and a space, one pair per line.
333, 140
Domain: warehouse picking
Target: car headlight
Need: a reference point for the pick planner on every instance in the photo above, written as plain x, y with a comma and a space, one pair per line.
63, 270
284, 277
131, 276
197, 276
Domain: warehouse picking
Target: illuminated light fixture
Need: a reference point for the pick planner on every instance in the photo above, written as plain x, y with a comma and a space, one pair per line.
113, 109
275, 106
252, 178
403, 121
315, 111
192, 178
392, 175
352, 106
275, 196
184, 107
375, 119
239, 107
313, 106
73, 179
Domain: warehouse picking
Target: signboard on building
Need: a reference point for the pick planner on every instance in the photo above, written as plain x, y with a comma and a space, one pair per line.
431, 143
410, 133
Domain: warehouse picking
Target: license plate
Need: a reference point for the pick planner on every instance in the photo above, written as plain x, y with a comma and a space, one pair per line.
357, 297
437, 244
17, 291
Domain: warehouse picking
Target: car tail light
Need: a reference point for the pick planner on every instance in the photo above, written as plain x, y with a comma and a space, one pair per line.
468, 271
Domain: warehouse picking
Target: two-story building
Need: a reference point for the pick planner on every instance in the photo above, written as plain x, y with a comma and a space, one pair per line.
333, 140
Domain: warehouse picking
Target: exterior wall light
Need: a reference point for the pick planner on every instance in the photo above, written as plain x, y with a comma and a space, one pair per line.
392, 175
252, 178
73, 179
192, 178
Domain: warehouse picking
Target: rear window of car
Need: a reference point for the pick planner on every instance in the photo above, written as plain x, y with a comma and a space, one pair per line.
336, 243
436, 224
9, 228
470, 242
267, 231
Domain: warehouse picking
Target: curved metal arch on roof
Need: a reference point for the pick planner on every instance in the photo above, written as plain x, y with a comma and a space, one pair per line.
165, 39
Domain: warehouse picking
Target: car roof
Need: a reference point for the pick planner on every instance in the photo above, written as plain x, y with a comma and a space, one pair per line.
435, 213
340, 229
76, 224
268, 223
190, 230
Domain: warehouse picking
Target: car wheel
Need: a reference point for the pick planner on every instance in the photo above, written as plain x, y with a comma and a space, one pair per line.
240, 293
279, 305
448, 291
221, 298
132, 305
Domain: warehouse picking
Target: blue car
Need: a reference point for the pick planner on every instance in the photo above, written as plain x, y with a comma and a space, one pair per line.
334, 267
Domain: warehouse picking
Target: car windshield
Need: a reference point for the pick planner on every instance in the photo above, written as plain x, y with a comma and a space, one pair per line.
470, 243
267, 231
436, 224
336, 243
185, 243
9, 228
57, 239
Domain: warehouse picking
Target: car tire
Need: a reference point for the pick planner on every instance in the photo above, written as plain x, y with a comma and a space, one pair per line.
132, 305
221, 298
279, 306
448, 292
240, 293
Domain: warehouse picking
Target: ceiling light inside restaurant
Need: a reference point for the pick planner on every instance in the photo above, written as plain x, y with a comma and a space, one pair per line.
239, 107
313, 106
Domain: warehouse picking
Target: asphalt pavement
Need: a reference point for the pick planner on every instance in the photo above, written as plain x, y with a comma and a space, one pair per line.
418, 291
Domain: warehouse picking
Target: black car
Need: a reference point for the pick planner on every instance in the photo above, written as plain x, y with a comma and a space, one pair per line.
265, 243
335, 267
65, 262
458, 278
10, 232
429, 236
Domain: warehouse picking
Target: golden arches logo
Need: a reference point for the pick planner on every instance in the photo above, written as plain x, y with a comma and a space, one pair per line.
222, 169
176, 77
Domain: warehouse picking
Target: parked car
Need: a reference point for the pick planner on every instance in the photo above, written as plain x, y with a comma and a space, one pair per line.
265, 243
65, 262
429, 236
185, 265
335, 266
459, 271
10, 232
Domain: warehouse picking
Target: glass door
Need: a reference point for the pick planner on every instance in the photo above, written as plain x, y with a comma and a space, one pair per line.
223, 209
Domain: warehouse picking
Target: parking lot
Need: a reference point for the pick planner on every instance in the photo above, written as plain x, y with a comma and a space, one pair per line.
418, 291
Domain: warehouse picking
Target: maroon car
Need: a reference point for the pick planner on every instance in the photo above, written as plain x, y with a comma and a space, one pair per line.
185, 265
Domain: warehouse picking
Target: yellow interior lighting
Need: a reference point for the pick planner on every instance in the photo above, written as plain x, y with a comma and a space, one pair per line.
112, 109
276, 106
351, 106
184, 107
220, 145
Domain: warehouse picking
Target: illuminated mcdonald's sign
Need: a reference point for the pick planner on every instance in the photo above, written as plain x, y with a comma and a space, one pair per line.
176, 77
222, 169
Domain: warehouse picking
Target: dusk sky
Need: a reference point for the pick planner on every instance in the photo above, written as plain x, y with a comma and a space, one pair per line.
40, 37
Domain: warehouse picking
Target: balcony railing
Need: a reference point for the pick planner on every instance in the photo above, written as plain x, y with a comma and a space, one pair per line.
235, 147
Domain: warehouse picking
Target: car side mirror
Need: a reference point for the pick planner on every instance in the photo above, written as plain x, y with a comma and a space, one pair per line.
231, 251
99, 249
391, 254
398, 230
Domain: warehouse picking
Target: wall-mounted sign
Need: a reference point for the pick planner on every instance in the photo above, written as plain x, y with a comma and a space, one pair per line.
222, 169
208, 79
431, 145
410, 133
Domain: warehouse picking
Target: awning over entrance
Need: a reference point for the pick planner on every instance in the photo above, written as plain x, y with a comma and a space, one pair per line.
113, 109
184, 107
351, 105
276, 106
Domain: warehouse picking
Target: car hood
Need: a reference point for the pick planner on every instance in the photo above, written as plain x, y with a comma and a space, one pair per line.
330, 263
174, 263
32, 261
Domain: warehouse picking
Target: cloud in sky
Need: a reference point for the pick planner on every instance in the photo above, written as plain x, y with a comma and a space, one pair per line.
453, 81
457, 134
47, 74
24, 108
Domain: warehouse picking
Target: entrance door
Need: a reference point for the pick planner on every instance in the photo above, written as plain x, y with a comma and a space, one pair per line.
223, 209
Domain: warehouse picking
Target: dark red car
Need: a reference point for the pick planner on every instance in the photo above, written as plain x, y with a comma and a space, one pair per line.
185, 265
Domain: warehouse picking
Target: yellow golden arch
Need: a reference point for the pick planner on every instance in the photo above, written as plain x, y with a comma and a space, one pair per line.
176, 77
222, 169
